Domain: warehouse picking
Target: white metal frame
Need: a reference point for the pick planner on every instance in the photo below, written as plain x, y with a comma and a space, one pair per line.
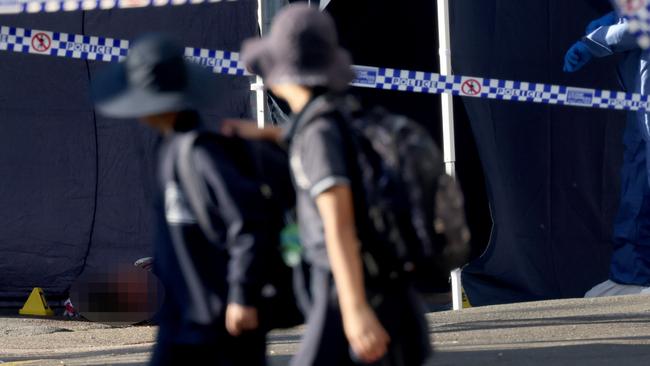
258, 86
448, 133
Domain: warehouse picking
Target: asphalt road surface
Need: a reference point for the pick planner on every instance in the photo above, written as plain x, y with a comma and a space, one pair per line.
606, 331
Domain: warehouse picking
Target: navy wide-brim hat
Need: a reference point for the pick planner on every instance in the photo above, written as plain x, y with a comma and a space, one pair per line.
153, 79
302, 48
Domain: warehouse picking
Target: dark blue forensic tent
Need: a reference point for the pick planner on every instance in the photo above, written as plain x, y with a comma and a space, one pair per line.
553, 172
541, 182
76, 187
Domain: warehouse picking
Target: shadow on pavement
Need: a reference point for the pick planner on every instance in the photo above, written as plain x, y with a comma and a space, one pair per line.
583, 355
282, 360
527, 323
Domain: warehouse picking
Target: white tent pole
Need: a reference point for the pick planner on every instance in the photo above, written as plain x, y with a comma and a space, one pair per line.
448, 135
447, 99
258, 87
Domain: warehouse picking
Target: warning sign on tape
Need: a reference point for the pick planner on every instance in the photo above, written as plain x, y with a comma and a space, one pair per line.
224, 62
51, 6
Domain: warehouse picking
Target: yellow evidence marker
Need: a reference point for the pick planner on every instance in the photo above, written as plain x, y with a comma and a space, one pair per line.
36, 304
466, 303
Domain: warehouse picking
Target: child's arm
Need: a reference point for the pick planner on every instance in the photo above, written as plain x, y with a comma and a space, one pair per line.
367, 337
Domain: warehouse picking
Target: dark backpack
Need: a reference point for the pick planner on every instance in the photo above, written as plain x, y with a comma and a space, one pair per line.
412, 205
267, 164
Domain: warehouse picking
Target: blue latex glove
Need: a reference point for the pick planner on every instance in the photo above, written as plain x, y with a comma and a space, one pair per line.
607, 19
577, 57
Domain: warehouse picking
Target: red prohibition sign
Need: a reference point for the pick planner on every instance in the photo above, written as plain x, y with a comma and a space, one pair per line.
633, 5
41, 42
471, 87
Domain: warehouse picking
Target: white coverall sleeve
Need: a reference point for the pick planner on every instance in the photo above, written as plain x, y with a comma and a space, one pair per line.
608, 40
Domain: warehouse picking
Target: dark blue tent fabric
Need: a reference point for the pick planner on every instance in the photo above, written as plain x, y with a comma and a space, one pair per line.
552, 172
76, 187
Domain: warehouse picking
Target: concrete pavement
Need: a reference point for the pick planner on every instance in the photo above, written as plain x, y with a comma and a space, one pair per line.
606, 331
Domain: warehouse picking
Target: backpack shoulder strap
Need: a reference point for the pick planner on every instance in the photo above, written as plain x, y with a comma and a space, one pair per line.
204, 304
194, 187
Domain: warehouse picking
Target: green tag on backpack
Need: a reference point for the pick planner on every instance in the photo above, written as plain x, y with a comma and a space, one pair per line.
290, 245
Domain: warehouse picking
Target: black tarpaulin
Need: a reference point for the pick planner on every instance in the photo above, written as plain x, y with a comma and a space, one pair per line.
76, 187
551, 173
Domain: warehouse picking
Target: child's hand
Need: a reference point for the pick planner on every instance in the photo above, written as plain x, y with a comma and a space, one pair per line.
240, 318
366, 335
248, 130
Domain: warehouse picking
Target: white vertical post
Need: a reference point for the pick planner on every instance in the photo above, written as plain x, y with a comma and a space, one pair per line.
448, 134
456, 289
260, 95
260, 102
447, 99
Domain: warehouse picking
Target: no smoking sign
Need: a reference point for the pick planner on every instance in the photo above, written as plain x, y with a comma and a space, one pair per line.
41, 42
471, 87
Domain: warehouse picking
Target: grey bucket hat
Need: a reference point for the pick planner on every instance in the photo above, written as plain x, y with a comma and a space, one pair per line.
302, 48
154, 78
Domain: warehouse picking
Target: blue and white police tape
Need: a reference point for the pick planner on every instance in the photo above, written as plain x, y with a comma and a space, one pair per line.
78, 46
51, 6
223, 62
476, 87
638, 14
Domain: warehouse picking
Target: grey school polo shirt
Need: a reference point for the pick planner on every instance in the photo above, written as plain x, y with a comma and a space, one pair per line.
317, 157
